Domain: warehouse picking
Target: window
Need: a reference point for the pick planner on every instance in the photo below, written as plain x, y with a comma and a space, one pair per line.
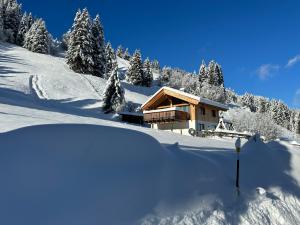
184, 108
201, 126
214, 114
202, 110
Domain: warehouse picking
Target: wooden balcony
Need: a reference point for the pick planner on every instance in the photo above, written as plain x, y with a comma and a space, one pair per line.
165, 116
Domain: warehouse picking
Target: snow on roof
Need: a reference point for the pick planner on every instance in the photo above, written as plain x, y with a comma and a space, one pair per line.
197, 98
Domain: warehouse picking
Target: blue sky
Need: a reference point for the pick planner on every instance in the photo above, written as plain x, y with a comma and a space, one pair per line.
256, 42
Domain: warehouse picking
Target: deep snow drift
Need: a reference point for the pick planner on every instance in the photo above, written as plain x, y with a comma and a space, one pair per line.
83, 167
79, 174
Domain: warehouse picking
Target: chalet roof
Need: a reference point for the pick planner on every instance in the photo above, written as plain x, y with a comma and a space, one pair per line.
187, 97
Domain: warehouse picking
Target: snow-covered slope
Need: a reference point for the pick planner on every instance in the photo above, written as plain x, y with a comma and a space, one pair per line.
80, 166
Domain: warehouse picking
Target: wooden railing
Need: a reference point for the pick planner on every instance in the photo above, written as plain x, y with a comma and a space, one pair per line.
166, 116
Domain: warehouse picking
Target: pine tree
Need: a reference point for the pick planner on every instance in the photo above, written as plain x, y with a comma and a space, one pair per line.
134, 73
65, 40
120, 51
80, 52
297, 122
11, 19
23, 29
218, 74
147, 73
211, 73
113, 95
99, 48
280, 113
1, 21
165, 75
155, 65
126, 55
248, 101
37, 39
110, 58
202, 72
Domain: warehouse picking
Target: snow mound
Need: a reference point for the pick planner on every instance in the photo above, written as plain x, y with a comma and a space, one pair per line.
87, 174
78, 174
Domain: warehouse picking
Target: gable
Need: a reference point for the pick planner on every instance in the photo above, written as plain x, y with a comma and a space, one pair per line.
166, 98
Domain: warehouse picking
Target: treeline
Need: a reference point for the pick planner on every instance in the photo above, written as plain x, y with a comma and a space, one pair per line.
280, 113
208, 82
23, 29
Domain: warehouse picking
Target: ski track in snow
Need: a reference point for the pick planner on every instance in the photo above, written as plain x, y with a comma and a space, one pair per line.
36, 87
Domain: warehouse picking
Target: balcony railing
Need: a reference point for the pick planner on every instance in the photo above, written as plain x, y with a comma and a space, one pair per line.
156, 116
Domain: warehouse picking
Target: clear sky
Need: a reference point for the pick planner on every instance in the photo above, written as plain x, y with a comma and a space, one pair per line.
257, 42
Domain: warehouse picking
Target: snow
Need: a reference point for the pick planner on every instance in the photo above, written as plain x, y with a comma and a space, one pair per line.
64, 162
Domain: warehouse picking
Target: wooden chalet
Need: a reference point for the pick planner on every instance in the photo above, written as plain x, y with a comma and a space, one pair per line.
178, 111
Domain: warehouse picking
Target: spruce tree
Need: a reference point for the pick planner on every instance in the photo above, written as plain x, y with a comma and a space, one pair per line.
120, 51
11, 19
202, 72
165, 75
23, 29
99, 48
134, 74
37, 39
65, 40
80, 51
147, 73
126, 55
219, 79
155, 65
211, 73
110, 58
113, 95
1, 21
297, 122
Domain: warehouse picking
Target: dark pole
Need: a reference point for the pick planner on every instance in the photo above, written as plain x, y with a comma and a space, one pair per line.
238, 150
237, 182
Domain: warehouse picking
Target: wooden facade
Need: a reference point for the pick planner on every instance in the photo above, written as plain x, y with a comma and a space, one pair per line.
181, 110
166, 116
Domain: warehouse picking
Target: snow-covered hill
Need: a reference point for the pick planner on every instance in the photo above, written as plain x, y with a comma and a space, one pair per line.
79, 166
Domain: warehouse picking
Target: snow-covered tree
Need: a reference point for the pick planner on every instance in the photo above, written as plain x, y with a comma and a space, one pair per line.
110, 58
218, 74
247, 100
113, 95
231, 96
120, 51
165, 75
25, 25
261, 104
37, 38
203, 72
261, 123
98, 48
155, 65
65, 40
134, 74
212, 92
126, 55
147, 73
11, 14
297, 122
280, 113
2, 37
80, 50
211, 79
